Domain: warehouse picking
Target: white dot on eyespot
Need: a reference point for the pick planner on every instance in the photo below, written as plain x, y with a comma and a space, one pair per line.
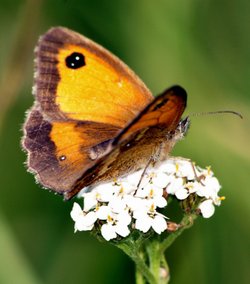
128, 145
62, 158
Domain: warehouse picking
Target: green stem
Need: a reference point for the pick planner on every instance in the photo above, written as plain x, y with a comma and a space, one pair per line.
158, 264
136, 255
154, 258
186, 222
165, 268
139, 279
151, 265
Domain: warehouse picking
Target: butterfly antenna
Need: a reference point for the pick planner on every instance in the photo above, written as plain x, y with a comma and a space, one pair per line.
217, 112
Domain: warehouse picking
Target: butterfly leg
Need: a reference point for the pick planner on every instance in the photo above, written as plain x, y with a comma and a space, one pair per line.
151, 160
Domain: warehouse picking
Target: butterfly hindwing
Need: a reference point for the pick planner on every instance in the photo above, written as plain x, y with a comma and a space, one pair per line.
60, 152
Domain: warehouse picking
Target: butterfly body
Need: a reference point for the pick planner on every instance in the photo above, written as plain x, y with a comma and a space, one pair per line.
93, 119
132, 155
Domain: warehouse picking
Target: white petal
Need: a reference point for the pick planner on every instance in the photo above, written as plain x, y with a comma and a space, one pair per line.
122, 230
143, 224
89, 201
209, 188
76, 212
207, 208
80, 226
160, 202
140, 214
90, 218
105, 191
181, 194
161, 180
103, 212
134, 178
85, 222
213, 184
186, 169
124, 218
117, 204
168, 167
159, 224
202, 190
108, 232
136, 204
175, 184
143, 192
127, 187
192, 186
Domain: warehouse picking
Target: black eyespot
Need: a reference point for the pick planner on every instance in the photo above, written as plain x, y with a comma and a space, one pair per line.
62, 158
75, 60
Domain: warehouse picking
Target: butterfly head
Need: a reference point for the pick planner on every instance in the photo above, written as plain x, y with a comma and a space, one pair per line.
182, 129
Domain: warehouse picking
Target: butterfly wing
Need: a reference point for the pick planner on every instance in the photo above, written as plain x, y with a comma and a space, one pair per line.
154, 129
84, 97
80, 80
164, 112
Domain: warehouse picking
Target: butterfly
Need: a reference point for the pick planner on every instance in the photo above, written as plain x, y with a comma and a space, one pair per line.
93, 119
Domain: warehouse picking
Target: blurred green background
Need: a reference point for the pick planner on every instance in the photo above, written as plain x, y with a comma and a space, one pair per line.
202, 45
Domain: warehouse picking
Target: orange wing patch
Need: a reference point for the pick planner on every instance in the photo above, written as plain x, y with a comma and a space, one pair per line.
102, 89
60, 152
96, 91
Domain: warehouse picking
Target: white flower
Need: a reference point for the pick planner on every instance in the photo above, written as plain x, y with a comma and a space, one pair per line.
83, 221
118, 201
145, 219
101, 193
184, 168
158, 178
152, 193
116, 223
182, 193
177, 188
108, 231
133, 202
207, 208
209, 188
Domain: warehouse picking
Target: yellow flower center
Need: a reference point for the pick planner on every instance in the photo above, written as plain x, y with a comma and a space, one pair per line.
177, 167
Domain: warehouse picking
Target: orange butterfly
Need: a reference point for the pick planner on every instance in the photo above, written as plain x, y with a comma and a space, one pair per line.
93, 119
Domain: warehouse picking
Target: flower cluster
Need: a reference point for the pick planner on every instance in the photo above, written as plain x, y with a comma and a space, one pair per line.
134, 202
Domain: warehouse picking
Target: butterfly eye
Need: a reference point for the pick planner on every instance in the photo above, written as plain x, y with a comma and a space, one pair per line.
75, 60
